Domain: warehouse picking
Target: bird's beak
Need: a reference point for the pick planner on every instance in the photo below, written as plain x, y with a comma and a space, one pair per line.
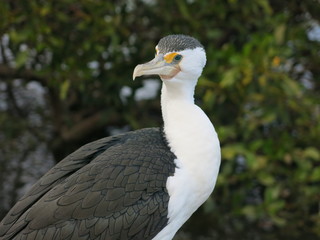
157, 66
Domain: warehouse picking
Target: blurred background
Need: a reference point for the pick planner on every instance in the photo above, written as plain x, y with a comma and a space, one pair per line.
66, 79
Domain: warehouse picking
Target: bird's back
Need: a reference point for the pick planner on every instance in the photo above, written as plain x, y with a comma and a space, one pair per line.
113, 188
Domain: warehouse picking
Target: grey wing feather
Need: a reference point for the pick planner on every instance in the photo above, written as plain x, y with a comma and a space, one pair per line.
108, 189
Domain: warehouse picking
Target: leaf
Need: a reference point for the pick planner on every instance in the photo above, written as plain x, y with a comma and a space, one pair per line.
209, 98
268, 118
250, 212
271, 194
64, 89
260, 162
229, 78
315, 175
22, 58
280, 33
262, 80
183, 9
266, 178
275, 207
312, 153
279, 221
226, 132
291, 87
265, 5
231, 151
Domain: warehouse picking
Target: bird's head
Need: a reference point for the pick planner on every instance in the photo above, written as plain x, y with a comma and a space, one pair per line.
178, 57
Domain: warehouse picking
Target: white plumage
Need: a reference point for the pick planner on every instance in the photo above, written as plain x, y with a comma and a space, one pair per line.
192, 138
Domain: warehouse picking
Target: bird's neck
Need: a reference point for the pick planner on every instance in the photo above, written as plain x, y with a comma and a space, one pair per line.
173, 95
177, 91
190, 133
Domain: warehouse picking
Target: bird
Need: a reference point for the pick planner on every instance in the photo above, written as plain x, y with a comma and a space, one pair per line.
139, 185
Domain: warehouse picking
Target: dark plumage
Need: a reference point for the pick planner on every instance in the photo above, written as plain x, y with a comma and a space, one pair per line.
178, 42
110, 182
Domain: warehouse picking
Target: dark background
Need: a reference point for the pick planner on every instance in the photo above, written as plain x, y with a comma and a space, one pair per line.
66, 79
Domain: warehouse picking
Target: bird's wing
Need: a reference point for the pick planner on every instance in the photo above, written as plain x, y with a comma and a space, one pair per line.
114, 188
55, 176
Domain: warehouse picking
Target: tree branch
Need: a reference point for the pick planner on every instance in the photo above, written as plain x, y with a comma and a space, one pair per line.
7, 72
82, 128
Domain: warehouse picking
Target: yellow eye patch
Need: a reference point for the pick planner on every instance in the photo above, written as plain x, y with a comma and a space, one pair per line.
170, 56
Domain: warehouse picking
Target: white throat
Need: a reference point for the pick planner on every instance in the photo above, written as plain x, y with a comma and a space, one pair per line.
189, 131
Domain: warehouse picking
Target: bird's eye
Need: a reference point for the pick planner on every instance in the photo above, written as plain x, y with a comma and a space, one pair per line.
178, 57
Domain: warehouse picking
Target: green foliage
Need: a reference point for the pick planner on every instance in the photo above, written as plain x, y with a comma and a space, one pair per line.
260, 88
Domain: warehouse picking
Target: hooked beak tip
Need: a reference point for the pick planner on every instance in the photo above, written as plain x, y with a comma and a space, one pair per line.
136, 72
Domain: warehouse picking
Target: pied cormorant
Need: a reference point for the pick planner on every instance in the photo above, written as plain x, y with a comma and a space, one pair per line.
141, 185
